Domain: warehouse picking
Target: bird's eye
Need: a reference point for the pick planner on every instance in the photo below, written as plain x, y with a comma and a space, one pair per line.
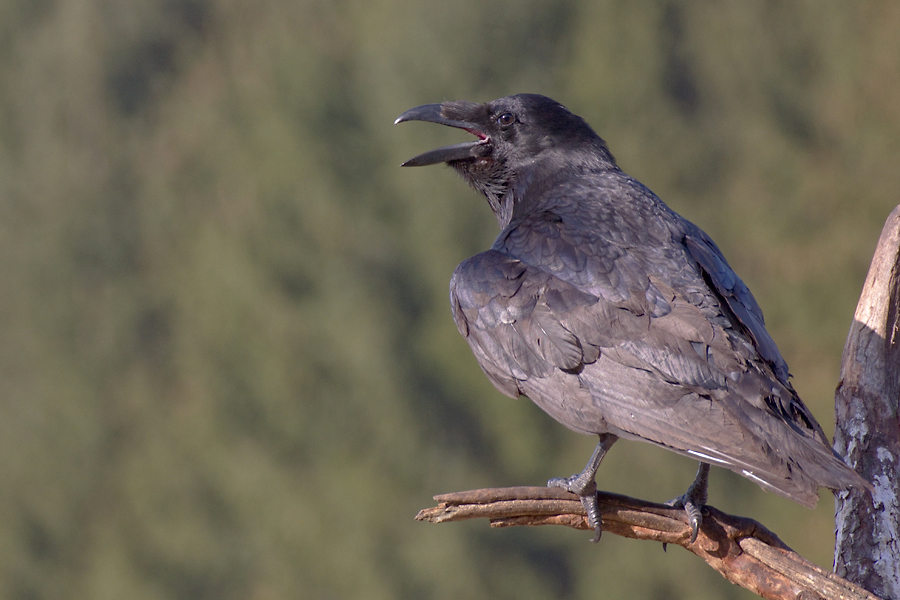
506, 119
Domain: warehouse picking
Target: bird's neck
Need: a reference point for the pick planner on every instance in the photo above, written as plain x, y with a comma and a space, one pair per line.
531, 188
513, 192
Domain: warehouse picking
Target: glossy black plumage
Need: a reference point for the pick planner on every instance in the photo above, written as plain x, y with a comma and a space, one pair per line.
613, 313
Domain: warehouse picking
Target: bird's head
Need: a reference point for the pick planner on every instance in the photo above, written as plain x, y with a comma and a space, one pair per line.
516, 135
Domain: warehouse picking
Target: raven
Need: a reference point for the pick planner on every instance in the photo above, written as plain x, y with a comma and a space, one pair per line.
614, 314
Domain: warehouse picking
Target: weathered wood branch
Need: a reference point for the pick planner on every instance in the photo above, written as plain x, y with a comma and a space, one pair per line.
741, 549
867, 435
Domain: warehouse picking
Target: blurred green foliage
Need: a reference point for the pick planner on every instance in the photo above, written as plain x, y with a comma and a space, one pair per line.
227, 364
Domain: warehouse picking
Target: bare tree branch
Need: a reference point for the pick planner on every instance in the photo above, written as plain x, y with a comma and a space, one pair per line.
741, 549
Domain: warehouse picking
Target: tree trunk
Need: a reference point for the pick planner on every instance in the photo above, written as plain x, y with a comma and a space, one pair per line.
867, 546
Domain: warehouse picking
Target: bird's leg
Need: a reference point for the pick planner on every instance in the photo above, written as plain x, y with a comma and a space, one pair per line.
585, 486
693, 500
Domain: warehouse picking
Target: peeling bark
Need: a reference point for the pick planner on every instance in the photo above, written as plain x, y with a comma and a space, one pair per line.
867, 546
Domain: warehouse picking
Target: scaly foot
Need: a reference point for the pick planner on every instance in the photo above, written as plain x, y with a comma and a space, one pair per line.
587, 492
585, 486
694, 499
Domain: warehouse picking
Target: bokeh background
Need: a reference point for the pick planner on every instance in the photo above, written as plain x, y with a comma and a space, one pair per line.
227, 364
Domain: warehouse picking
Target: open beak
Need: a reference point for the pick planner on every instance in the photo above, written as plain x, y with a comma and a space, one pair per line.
467, 150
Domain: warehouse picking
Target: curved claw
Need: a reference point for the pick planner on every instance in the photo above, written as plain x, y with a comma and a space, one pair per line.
694, 512
695, 518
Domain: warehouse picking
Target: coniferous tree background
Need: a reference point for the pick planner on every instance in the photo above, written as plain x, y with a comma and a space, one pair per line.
227, 363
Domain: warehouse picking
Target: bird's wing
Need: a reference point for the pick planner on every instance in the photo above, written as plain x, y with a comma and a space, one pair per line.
737, 297
747, 316
686, 338
523, 322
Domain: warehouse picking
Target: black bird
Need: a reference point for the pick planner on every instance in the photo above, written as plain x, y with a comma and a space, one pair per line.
614, 314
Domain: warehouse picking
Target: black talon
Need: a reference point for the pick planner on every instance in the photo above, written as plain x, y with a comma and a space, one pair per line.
592, 507
695, 518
